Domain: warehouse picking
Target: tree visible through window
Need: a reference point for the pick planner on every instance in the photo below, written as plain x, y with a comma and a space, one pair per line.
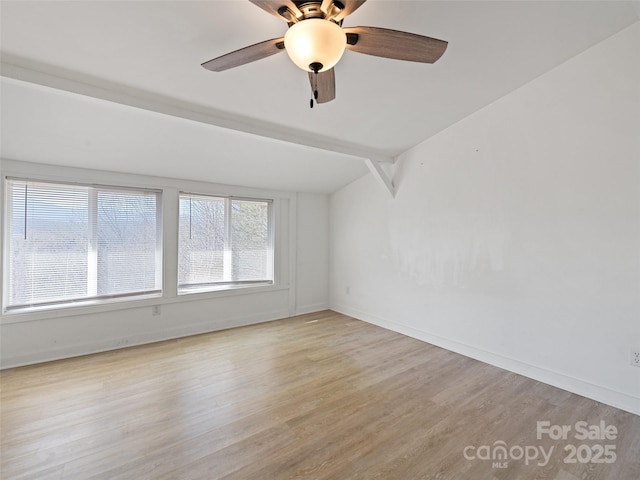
223, 241
69, 243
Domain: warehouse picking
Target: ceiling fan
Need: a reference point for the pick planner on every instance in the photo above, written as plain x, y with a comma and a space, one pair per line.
315, 42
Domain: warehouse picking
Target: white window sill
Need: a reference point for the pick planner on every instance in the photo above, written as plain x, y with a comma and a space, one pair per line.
146, 301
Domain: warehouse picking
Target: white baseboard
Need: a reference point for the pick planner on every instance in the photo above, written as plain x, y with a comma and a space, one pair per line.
318, 307
598, 393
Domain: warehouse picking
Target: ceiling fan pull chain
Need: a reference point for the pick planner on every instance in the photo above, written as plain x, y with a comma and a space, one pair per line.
315, 86
315, 89
315, 68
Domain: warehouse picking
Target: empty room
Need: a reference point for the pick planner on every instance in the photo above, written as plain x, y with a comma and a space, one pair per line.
328, 240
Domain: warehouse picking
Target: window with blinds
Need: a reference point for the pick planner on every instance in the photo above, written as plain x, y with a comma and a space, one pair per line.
70, 243
224, 242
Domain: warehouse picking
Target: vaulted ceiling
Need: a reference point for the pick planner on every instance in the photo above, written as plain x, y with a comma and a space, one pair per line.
129, 93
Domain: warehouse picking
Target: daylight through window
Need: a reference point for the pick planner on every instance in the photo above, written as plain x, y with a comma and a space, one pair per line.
224, 242
70, 243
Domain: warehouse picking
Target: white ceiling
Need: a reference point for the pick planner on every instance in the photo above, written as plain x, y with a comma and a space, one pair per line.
158, 111
44, 125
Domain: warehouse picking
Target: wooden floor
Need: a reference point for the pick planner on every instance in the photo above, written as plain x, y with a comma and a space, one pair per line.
320, 396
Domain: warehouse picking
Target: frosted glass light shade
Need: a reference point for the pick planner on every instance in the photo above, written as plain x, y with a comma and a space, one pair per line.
315, 41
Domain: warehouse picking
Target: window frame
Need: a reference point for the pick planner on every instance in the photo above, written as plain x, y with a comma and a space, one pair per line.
93, 192
225, 285
284, 217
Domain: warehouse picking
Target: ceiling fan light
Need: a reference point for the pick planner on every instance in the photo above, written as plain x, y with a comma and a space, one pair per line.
315, 41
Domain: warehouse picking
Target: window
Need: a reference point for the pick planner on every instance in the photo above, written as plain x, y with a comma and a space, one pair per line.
224, 242
71, 243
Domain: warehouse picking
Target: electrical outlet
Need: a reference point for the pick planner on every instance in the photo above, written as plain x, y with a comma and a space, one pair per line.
634, 358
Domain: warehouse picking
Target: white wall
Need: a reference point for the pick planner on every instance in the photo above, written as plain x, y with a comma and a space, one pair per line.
312, 258
40, 336
514, 236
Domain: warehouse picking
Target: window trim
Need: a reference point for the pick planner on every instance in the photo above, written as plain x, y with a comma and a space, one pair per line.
225, 285
285, 221
93, 190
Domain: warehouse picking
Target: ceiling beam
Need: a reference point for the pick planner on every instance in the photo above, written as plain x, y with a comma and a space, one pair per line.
375, 167
97, 88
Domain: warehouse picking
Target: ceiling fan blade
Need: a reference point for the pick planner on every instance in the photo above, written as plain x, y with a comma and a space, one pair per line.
326, 85
272, 6
245, 55
383, 42
350, 6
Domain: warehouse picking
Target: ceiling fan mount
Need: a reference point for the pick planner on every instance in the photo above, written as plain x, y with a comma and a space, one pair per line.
306, 10
315, 41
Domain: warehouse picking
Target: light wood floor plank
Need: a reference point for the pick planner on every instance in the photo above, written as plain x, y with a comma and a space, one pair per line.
319, 396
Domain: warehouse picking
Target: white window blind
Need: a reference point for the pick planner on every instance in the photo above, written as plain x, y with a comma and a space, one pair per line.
224, 242
70, 243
